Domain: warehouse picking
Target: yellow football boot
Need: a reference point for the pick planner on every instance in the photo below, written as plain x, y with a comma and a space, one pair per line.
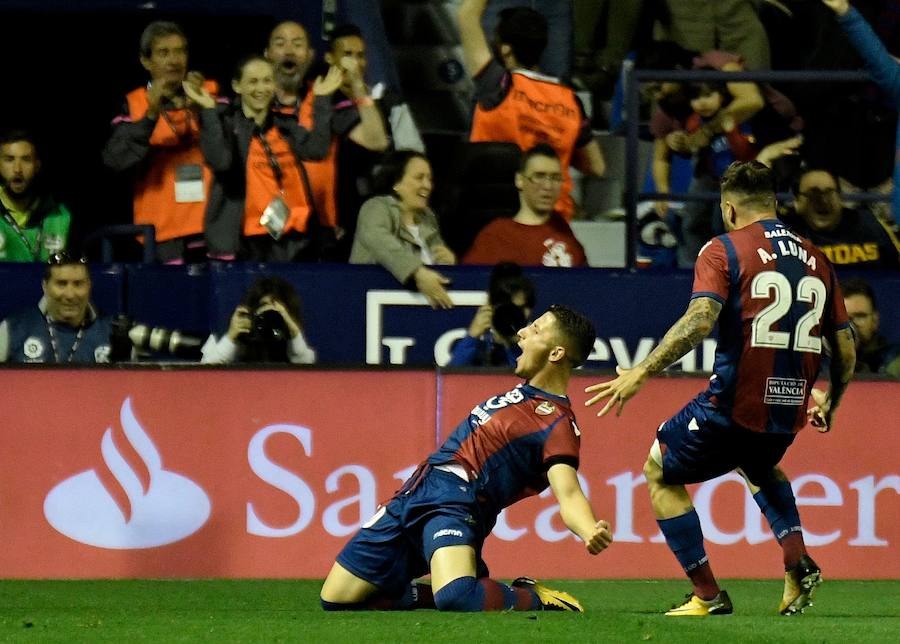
696, 607
550, 599
799, 584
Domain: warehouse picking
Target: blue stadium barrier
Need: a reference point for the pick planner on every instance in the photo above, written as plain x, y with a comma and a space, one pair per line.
359, 314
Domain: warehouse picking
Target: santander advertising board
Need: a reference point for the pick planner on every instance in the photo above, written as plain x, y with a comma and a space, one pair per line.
221, 473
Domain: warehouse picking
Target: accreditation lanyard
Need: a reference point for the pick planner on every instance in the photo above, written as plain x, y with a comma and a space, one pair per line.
55, 346
11, 222
273, 160
189, 117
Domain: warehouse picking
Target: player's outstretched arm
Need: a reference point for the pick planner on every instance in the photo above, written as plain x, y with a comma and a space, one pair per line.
696, 323
576, 510
843, 364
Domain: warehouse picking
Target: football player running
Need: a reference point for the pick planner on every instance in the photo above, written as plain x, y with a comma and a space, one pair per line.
776, 300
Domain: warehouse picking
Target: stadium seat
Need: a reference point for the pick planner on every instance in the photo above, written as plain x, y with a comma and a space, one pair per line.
482, 188
127, 235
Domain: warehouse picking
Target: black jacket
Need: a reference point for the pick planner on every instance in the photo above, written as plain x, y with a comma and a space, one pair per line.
225, 138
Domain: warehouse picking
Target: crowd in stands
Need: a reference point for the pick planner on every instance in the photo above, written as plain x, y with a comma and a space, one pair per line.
299, 159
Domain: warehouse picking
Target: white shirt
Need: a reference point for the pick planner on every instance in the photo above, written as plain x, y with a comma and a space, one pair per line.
224, 350
424, 252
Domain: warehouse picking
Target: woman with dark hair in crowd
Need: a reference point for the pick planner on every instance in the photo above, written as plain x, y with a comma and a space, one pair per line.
267, 326
398, 230
259, 204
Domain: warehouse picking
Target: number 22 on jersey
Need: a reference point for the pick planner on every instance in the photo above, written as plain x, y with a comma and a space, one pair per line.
776, 286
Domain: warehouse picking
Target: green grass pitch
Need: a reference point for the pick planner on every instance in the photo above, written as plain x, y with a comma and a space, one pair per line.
845, 612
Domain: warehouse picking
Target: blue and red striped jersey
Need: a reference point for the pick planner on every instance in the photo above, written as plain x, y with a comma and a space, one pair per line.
509, 441
779, 297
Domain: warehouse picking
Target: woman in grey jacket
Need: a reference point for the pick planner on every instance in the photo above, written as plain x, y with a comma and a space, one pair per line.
399, 231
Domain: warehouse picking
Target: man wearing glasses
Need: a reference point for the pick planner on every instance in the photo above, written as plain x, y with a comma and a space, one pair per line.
64, 327
538, 235
875, 353
849, 237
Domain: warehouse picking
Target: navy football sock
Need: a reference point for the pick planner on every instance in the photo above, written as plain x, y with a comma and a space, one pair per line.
466, 594
777, 503
685, 540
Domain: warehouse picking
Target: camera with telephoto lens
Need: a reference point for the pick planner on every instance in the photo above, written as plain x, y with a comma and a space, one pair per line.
268, 338
128, 338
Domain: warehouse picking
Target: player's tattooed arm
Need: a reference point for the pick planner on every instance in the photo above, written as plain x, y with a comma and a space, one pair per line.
685, 334
696, 323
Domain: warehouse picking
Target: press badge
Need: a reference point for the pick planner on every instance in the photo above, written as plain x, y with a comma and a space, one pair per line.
275, 217
189, 184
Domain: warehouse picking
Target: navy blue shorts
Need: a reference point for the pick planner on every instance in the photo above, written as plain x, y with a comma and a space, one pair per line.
396, 545
699, 443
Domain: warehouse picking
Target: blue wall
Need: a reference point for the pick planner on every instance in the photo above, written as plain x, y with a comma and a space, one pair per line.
631, 310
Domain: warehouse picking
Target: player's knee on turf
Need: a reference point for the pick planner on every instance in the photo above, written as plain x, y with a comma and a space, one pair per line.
342, 589
463, 594
327, 605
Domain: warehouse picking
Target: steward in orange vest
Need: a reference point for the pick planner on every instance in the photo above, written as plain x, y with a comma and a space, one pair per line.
157, 136
517, 104
255, 154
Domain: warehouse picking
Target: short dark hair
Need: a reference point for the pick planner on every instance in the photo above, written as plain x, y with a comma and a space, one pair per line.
246, 60
280, 289
858, 286
538, 150
345, 30
392, 169
507, 279
62, 258
158, 29
705, 88
577, 331
16, 136
752, 181
525, 31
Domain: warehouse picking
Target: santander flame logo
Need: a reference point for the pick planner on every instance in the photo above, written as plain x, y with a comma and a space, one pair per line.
165, 509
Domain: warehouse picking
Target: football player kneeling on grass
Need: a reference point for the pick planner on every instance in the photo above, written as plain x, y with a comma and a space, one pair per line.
509, 447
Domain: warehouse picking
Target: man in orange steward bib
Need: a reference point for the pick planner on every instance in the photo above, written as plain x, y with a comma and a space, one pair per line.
157, 137
518, 104
367, 122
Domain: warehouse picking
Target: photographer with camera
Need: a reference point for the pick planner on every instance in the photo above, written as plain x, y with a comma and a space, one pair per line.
267, 326
491, 340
